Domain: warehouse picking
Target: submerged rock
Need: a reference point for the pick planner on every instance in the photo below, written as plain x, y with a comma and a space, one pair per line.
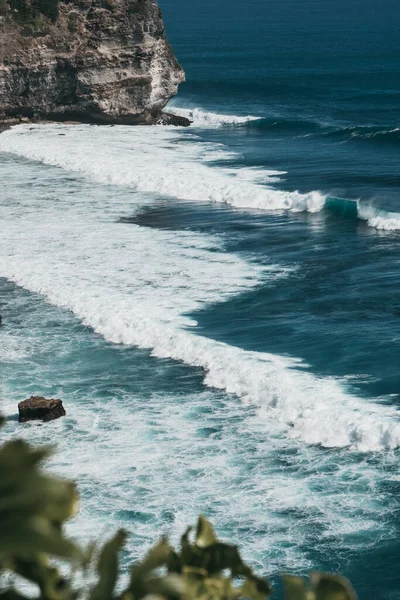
97, 61
39, 408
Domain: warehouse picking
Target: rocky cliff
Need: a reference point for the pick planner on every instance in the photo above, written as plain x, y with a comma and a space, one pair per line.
105, 61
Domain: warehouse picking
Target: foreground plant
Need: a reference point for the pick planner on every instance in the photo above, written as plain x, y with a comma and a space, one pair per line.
33, 508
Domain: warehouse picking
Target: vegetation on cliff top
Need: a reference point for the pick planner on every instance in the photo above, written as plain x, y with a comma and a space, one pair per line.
35, 16
33, 508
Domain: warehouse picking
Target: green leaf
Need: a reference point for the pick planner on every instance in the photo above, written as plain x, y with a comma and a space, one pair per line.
253, 589
107, 567
142, 578
55, 499
37, 570
332, 587
170, 586
30, 537
224, 556
186, 548
157, 557
12, 594
195, 572
295, 588
33, 507
205, 535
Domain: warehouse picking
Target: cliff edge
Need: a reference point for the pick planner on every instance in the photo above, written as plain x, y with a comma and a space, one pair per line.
101, 61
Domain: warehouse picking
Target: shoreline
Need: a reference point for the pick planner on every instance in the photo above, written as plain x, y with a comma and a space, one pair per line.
164, 118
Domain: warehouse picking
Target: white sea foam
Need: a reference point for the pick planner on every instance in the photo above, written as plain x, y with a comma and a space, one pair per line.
158, 160
259, 174
379, 219
202, 118
168, 161
128, 435
134, 286
124, 451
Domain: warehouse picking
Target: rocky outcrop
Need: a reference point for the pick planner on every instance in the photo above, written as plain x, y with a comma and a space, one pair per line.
170, 119
37, 408
102, 61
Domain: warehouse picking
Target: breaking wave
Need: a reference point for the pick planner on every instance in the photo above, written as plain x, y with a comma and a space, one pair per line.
134, 286
314, 410
168, 162
291, 126
157, 160
355, 209
201, 118
377, 135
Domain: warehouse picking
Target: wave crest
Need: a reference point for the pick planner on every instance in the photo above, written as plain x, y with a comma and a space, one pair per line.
201, 118
156, 160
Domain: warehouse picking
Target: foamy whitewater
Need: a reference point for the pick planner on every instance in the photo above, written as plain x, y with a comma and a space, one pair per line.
202, 118
162, 160
179, 167
64, 251
152, 459
163, 420
218, 306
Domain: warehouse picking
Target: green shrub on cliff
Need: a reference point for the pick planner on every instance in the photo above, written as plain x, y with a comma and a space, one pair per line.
33, 508
4, 8
30, 13
48, 8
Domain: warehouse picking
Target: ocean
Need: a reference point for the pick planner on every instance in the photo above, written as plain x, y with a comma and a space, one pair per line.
218, 306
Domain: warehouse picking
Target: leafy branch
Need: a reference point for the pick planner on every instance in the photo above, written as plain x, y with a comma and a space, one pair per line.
34, 507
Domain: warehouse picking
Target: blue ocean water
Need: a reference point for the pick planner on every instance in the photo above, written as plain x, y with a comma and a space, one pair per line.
219, 306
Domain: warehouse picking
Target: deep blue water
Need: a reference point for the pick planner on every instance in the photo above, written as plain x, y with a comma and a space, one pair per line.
222, 344
325, 77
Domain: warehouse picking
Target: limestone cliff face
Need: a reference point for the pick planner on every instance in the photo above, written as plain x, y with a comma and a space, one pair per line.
93, 60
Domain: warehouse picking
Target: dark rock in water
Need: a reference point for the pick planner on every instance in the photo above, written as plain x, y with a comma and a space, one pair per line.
38, 408
170, 119
85, 60
1, 320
